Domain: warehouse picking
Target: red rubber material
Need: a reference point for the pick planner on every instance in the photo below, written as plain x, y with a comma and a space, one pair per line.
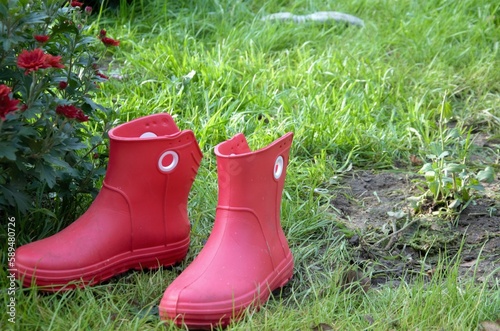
139, 218
246, 256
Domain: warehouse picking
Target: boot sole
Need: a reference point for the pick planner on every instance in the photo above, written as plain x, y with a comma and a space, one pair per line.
51, 280
222, 313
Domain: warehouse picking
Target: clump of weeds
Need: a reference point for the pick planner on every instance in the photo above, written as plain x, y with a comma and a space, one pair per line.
448, 187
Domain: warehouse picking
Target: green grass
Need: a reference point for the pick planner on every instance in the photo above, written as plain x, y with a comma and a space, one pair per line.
367, 97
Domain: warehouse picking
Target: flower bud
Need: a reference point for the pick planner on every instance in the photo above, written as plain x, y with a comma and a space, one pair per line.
76, 4
41, 38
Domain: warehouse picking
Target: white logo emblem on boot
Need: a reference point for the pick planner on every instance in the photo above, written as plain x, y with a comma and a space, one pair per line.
173, 163
278, 167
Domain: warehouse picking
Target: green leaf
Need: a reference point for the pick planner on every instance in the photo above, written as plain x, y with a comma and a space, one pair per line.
452, 134
430, 176
3, 11
63, 165
443, 155
7, 151
477, 187
487, 175
434, 188
96, 140
453, 168
426, 168
56, 161
34, 18
83, 42
27, 131
92, 104
448, 181
447, 110
6, 45
14, 196
73, 145
465, 195
46, 174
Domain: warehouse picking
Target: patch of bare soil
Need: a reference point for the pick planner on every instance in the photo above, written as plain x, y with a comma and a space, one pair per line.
391, 242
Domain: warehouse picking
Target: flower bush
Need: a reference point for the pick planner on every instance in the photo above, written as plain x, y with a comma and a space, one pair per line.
52, 141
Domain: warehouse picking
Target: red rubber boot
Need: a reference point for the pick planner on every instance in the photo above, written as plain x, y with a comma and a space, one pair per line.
247, 255
138, 219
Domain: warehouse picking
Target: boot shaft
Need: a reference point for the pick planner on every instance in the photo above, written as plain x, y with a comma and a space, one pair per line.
248, 178
251, 186
146, 150
152, 165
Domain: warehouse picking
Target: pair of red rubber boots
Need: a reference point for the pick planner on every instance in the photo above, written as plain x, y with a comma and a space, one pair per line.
139, 220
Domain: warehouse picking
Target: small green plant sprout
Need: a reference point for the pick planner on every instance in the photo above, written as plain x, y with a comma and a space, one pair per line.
449, 186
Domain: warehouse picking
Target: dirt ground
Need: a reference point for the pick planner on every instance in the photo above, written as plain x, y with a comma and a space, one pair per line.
392, 242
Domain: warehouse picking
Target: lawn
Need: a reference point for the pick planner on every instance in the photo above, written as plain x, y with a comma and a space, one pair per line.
420, 78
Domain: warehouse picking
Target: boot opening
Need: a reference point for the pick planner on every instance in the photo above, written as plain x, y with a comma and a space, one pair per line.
235, 146
158, 125
148, 135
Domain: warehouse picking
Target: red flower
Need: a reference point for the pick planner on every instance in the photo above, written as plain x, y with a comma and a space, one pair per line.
67, 110
71, 111
53, 61
7, 105
37, 59
76, 4
106, 40
88, 10
32, 60
101, 75
81, 117
110, 41
41, 38
63, 85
